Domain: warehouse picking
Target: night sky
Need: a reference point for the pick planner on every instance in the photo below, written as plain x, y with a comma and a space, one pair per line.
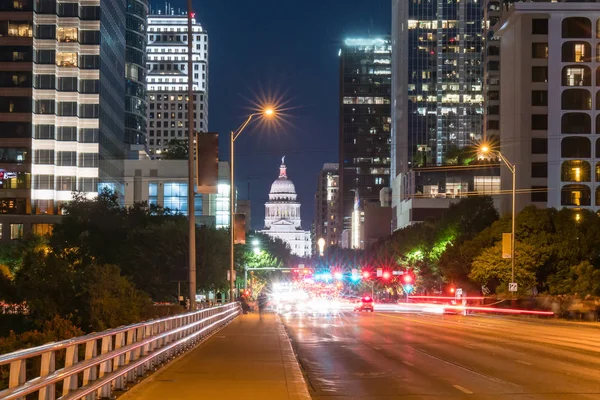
288, 48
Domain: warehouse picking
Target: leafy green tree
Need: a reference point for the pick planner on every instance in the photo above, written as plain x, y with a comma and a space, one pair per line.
490, 269
177, 149
47, 284
109, 299
92, 231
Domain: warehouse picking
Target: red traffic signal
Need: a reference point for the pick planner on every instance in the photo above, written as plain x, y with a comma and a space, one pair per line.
366, 274
452, 290
386, 275
408, 278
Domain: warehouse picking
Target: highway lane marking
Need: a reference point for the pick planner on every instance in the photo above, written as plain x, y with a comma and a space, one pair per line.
408, 363
523, 362
468, 347
462, 389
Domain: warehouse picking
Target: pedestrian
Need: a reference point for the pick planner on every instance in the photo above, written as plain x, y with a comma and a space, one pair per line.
262, 302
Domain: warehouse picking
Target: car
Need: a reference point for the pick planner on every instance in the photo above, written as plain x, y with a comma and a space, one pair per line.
366, 304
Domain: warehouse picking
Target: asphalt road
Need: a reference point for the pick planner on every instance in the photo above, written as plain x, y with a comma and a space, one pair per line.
390, 355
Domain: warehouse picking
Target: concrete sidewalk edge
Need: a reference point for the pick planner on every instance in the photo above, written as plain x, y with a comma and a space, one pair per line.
296, 385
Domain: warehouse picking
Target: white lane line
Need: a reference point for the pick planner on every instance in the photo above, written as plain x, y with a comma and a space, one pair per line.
377, 348
408, 363
523, 362
468, 347
462, 389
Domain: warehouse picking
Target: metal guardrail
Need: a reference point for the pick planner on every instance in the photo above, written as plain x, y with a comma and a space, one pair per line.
110, 359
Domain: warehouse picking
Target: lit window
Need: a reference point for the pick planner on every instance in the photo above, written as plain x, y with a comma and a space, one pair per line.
153, 193
42, 229
66, 59
66, 34
579, 52
16, 231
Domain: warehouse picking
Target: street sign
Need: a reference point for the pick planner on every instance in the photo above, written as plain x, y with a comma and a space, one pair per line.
379, 272
506, 245
458, 292
512, 287
397, 272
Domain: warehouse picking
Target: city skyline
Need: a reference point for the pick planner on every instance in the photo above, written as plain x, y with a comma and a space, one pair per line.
310, 139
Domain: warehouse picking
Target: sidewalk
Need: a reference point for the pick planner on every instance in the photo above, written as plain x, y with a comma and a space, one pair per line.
251, 358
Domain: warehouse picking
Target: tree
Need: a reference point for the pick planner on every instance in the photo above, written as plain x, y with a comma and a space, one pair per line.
490, 269
177, 149
109, 299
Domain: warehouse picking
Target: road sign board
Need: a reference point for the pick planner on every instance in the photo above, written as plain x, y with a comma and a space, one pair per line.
379, 272
397, 272
458, 292
512, 287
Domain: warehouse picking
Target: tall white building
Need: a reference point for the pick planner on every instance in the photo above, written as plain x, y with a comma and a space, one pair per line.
549, 76
282, 215
167, 64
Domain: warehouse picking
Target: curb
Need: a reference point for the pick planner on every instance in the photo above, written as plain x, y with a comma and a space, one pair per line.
296, 385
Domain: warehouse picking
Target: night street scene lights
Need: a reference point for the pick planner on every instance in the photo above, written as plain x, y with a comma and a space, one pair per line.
486, 151
266, 111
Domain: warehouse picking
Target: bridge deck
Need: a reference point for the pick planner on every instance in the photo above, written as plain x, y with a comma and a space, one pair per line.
250, 358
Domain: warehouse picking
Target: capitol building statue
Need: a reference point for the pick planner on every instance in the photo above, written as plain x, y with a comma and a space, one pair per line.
282, 215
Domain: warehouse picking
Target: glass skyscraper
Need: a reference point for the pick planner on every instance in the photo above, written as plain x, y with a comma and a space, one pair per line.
437, 88
62, 101
135, 73
365, 123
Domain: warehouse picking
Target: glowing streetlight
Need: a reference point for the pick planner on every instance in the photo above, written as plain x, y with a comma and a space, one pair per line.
255, 242
265, 112
484, 149
321, 244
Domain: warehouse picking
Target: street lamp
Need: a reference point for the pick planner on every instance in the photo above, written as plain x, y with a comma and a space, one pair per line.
485, 150
321, 244
266, 112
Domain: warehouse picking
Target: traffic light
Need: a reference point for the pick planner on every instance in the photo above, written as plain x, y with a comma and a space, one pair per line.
386, 275
408, 278
452, 290
366, 274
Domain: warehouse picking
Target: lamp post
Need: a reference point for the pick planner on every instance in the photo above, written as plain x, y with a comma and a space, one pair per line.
191, 166
513, 169
267, 112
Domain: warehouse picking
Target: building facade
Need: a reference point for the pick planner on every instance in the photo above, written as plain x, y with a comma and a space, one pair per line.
136, 103
365, 123
167, 64
549, 103
282, 215
327, 206
437, 87
61, 107
164, 183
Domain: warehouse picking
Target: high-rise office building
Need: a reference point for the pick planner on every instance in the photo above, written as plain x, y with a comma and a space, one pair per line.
365, 123
61, 107
437, 97
136, 103
327, 206
549, 102
167, 64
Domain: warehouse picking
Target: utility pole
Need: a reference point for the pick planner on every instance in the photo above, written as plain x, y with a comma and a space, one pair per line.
191, 168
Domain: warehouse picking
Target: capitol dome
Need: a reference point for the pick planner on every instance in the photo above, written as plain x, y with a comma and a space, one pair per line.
283, 188
283, 185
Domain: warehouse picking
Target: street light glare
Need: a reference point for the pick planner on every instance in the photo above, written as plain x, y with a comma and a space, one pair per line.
269, 112
485, 149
